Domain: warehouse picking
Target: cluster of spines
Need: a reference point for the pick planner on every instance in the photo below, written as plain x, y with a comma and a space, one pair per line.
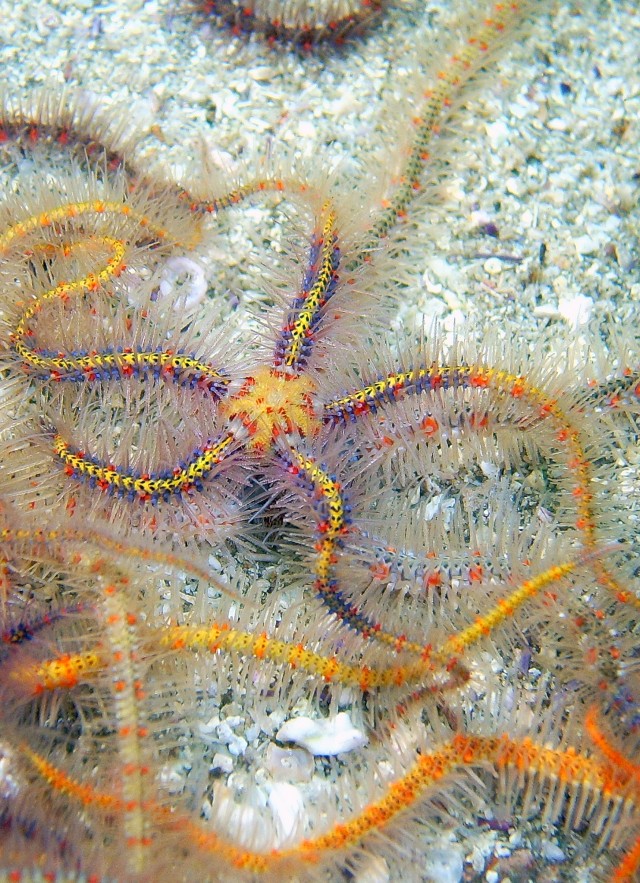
27, 628
75, 125
430, 571
46, 541
300, 24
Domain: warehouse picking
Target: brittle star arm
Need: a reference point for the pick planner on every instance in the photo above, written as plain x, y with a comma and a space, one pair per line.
176, 367
318, 285
531, 761
332, 526
431, 666
434, 111
102, 141
279, 399
188, 474
179, 368
540, 408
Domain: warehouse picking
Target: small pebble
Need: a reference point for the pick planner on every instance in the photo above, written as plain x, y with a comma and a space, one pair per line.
585, 245
493, 266
444, 865
306, 129
552, 852
515, 186
576, 311
497, 133
237, 746
222, 762
289, 764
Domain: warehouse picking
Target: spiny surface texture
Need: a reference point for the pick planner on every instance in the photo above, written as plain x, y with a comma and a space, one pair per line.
323, 592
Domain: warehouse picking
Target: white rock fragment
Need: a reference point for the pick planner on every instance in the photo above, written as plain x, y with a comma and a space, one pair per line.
306, 129
222, 762
546, 311
277, 717
515, 838
575, 311
454, 324
497, 133
224, 732
207, 729
527, 219
439, 503
515, 186
440, 278
491, 470
552, 852
432, 308
8, 783
262, 73
452, 300
323, 736
521, 108
431, 286
172, 778
560, 285
237, 746
252, 733
477, 859
246, 816
585, 245
286, 804
444, 865
346, 104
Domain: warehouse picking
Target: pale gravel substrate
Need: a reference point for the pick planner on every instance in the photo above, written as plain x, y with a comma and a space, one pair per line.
557, 165
548, 165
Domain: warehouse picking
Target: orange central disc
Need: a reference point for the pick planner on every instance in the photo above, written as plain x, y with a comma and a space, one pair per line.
272, 403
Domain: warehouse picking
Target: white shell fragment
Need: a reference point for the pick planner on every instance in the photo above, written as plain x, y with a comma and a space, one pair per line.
324, 736
183, 279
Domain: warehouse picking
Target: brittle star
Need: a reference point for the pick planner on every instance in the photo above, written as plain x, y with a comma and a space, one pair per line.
279, 416
277, 413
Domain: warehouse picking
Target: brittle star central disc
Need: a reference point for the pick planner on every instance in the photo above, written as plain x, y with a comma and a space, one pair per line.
272, 402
